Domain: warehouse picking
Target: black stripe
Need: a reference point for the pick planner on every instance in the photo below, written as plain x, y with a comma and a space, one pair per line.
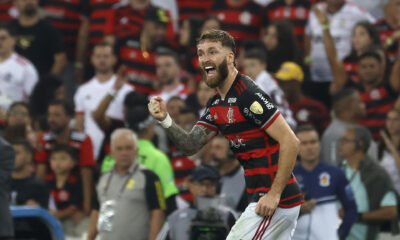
239, 27
139, 66
64, 4
182, 173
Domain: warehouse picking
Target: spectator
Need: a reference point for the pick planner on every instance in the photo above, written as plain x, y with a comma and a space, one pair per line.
388, 28
378, 95
66, 189
18, 116
7, 162
348, 109
232, 183
296, 11
372, 186
26, 190
90, 94
38, 40
48, 88
71, 18
59, 116
209, 23
138, 53
375, 8
240, 18
322, 184
174, 106
342, 18
17, 75
168, 76
188, 8
305, 109
199, 99
255, 65
389, 147
180, 225
117, 216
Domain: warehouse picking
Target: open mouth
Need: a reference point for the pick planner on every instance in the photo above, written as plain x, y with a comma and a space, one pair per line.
210, 70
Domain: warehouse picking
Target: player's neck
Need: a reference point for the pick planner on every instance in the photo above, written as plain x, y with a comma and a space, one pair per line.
5, 56
21, 174
224, 88
309, 165
104, 77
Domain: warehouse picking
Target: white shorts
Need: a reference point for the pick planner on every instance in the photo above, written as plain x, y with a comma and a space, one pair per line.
251, 226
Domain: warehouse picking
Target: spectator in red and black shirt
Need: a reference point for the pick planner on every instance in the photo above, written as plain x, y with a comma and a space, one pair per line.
295, 11
6, 8
240, 18
259, 136
60, 114
190, 8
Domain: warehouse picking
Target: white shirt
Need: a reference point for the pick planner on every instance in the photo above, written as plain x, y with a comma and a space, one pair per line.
88, 98
18, 77
268, 84
180, 91
341, 29
389, 164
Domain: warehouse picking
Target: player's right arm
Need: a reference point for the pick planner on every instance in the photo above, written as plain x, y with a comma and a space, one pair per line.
189, 143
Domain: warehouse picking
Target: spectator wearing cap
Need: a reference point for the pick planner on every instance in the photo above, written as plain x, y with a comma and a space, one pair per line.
203, 185
26, 190
373, 189
255, 65
348, 109
305, 109
169, 76
138, 52
130, 198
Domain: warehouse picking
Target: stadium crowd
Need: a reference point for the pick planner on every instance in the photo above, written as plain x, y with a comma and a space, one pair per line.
76, 77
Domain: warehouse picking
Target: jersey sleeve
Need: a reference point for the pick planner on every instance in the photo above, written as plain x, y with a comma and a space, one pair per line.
257, 107
154, 193
86, 156
78, 100
206, 119
41, 156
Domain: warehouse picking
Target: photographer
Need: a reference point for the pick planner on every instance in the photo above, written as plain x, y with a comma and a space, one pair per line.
203, 213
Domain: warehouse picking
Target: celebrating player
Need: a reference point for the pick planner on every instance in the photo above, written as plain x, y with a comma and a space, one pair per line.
258, 135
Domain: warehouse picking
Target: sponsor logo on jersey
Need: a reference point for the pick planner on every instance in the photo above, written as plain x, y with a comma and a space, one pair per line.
231, 100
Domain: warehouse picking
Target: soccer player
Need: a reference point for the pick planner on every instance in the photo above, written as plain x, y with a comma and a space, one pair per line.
259, 136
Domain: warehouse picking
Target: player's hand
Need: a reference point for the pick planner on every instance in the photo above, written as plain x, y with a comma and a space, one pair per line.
157, 108
121, 78
308, 206
267, 204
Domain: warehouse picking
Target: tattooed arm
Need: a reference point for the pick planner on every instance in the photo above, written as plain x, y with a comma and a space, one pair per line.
189, 143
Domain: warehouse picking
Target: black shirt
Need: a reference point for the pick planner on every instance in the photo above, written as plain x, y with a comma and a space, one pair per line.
242, 117
29, 188
39, 44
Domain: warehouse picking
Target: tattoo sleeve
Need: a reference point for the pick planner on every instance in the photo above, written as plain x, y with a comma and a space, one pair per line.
189, 143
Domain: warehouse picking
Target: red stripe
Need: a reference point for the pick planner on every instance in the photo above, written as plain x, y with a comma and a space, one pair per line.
263, 152
262, 227
246, 135
290, 205
212, 128
259, 189
259, 225
288, 198
237, 90
373, 122
258, 171
271, 121
269, 222
292, 180
222, 114
380, 109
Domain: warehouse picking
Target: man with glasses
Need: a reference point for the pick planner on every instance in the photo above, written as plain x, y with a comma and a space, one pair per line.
17, 74
373, 189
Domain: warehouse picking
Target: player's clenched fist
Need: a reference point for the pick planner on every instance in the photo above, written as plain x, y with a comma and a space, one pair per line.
157, 108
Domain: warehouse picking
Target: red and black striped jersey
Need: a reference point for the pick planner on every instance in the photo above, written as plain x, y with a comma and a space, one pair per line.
243, 117
190, 8
70, 195
350, 64
101, 13
66, 17
385, 33
242, 22
297, 13
5, 8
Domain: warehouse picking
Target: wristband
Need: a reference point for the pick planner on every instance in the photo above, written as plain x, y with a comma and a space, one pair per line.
307, 60
325, 26
167, 122
112, 92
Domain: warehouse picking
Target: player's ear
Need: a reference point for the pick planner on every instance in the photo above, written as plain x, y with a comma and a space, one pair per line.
231, 58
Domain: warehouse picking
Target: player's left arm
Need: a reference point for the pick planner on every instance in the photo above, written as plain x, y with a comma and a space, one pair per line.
288, 149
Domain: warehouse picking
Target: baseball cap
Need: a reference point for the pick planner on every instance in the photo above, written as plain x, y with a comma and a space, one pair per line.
157, 15
290, 71
204, 172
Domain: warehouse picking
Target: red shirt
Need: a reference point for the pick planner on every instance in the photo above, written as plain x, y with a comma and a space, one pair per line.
5, 7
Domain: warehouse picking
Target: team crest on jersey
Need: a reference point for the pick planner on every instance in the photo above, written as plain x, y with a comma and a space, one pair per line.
230, 115
256, 108
324, 179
